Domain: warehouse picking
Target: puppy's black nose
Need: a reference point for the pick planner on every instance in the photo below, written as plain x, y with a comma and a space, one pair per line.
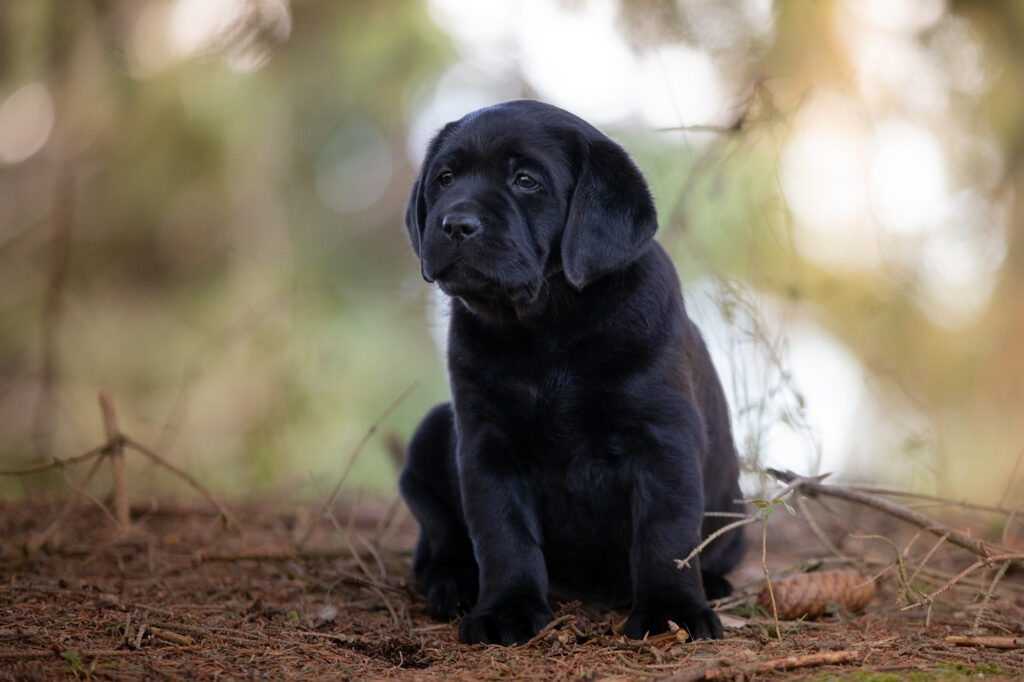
459, 226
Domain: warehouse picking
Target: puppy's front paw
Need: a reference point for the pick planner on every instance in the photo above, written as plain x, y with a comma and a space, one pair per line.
504, 625
701, 623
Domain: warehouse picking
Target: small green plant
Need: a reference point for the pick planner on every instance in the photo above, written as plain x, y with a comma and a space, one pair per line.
748, 609
74, 662
767, 506
79, 669
976, 670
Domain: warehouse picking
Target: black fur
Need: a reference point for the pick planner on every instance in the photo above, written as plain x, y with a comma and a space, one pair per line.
588, 432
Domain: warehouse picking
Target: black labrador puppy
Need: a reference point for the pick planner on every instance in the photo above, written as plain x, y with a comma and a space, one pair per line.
588, 433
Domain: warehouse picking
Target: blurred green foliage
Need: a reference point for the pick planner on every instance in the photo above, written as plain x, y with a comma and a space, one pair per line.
200, 233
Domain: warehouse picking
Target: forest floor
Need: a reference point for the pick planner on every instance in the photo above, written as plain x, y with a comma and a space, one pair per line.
182, 595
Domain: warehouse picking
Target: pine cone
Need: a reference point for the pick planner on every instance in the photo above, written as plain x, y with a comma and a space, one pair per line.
811, 594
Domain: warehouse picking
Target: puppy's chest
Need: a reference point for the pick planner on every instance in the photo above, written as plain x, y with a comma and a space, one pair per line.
556, 408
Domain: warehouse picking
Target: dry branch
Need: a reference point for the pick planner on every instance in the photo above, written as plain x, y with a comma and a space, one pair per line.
985, 561
116, 454
937, 500
813, 488
57, 462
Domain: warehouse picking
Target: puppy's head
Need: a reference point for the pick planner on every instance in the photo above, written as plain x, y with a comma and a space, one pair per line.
521, 192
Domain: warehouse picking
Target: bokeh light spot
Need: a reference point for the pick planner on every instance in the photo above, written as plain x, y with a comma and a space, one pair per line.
26, 121
354, 169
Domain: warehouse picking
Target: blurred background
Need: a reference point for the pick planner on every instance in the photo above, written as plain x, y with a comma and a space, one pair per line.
201, 208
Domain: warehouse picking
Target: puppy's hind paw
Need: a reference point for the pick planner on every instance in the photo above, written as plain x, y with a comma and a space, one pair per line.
507, 626
716, 586
449, 597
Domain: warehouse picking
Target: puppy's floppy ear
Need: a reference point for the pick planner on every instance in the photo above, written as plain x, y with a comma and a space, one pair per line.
416, 209
611, 216
415, 215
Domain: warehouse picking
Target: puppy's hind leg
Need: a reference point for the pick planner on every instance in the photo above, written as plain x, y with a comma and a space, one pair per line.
720, 557
444, 568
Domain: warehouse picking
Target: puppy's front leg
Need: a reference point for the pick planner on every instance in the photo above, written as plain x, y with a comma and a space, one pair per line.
512, 606
667, 508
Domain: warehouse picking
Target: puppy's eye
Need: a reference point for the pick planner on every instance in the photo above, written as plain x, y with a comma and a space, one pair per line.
446, 178
524, 181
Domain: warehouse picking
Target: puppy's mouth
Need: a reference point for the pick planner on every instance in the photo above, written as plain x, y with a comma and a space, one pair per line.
472, 285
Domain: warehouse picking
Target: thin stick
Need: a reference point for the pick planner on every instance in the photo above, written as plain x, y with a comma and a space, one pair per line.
812, 488
352, 460
988, 596
767, 578
82, 492
927, 557
986, 561
973, 506
57, 462
685, 563
801, 504
116, 455
185, 476
44, 537
745, 521
899, 559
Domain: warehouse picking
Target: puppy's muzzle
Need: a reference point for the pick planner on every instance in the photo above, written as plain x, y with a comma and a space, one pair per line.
460, 226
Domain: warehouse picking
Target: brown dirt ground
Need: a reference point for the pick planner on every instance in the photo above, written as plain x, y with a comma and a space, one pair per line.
183, 597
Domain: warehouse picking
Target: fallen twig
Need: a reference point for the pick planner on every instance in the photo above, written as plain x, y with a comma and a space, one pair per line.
721, 670
168, 636
550, 627
994, 642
